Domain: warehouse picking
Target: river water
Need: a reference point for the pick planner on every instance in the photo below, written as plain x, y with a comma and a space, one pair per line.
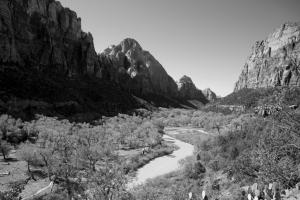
163, 165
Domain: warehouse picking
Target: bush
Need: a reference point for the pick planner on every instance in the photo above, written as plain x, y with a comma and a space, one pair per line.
199, 168
234, 153
5, 148
53, 196
205, 156
193, 169
219, 163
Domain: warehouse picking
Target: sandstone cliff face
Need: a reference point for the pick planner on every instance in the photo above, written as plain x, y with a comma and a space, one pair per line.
209, 94
187, 90
44, 35
274, 61
46, 57
137, 70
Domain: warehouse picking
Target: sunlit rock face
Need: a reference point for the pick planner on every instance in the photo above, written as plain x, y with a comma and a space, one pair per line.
209, 94
188, 90
44, 35
274, 61
137, 70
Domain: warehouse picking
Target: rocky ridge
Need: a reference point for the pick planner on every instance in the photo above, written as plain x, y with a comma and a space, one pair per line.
46, 57
188, 90
209, 94
274, 61
136, 69
42, 34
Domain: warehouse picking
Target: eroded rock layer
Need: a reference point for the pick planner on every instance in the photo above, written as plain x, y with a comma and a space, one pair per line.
209, 94
188, 90
128, 64
274, 61
44, 35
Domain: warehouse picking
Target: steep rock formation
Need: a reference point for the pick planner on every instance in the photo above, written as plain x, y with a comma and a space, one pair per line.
41, 34
187, 90
209, 94
46, 57
135, 69
274, 61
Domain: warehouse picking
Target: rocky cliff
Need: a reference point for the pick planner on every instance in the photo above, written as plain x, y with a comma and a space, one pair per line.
274, 61
209, 94
42, 34
49, 65
45, 57
137, 70
187, 90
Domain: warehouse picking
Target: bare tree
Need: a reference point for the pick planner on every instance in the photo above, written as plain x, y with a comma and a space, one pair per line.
28, 153
5, 148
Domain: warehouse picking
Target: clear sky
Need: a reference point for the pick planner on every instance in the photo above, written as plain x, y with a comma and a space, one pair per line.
208, 40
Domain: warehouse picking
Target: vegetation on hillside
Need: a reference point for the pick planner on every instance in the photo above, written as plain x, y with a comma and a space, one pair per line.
94, 160
82, 157
249, 149
255, 97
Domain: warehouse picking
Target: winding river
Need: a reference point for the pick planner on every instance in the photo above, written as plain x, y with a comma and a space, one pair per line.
165, 164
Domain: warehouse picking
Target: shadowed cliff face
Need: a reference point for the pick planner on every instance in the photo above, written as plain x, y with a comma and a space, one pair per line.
48, 64
45, 57
187, 90
274, 61
137, 70
41, 34
209, 94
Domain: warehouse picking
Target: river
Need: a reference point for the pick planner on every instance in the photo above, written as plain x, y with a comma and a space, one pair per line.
163, 165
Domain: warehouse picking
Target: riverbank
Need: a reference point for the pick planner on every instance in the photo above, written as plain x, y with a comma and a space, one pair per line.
137, 159
163, 165
189, 135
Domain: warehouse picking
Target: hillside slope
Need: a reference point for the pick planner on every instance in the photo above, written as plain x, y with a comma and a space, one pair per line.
49, 65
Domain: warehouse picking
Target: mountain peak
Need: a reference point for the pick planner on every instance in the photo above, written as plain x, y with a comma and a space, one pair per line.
130, 43
185, 79
209, 94
146, 74
188, 90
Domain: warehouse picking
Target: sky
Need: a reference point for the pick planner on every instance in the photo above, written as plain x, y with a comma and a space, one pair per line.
208, 40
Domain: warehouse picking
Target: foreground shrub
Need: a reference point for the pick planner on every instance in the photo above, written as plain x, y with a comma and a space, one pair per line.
5, 149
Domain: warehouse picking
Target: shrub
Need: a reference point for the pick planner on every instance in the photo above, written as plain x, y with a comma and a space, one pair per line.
234, 153
205, 156
193, 169
5, 148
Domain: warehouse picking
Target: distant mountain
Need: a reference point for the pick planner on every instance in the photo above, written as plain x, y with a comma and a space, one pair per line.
210, 95
137, 70
188, 91
274, 61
